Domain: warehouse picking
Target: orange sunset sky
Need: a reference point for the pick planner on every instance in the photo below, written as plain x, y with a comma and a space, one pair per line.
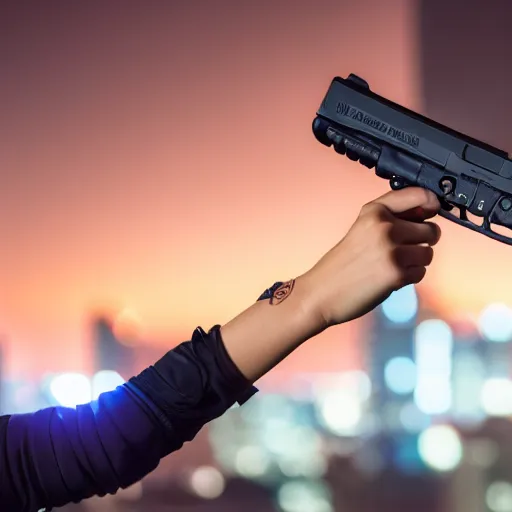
159, 156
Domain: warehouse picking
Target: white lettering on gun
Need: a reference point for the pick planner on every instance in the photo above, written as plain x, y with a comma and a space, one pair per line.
344, 109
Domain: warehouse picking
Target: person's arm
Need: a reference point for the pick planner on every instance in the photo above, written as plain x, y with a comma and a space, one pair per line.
387, 247
59, 455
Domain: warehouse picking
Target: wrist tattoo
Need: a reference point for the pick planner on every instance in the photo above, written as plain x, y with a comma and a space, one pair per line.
282, 292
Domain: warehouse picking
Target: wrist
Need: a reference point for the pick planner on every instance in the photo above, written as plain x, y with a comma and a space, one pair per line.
310, 305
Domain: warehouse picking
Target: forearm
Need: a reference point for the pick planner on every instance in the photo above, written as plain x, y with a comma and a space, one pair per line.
60, 455
269, 330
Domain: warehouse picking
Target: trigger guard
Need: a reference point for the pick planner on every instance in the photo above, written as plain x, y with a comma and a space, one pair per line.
484, 229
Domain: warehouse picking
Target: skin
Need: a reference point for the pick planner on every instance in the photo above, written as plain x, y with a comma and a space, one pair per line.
389, 246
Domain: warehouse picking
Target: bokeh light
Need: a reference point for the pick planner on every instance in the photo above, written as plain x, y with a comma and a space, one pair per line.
71, 389
499, 497
402, 305
440, 447
400, 375
252, 461
357, 382
433, 343
496, 397
469, 373
207, 482
340, 412
495, 322
104, 381
304, 496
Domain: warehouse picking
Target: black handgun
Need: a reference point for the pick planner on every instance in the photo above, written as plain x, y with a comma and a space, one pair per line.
409, 149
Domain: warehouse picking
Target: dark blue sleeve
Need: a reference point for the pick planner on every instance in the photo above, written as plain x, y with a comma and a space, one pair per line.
60, 455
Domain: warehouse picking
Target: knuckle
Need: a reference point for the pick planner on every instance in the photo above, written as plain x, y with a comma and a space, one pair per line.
373, 209
368, 207
371, 221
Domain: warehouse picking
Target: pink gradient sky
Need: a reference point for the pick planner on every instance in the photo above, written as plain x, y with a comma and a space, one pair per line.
159, 156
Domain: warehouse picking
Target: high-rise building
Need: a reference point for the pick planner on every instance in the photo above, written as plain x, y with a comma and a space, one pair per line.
390, 354
110, 353
391, 360
465, 79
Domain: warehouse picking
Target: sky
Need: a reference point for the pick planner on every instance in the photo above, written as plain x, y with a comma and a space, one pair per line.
158, 156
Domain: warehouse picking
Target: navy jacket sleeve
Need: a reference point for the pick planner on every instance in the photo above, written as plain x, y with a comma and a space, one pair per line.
61, 455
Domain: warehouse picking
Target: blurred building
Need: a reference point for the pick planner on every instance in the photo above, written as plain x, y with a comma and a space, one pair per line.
471, 364
390, 355
111, 352
465, 47
393, 369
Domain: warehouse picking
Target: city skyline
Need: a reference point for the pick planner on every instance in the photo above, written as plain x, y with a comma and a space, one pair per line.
181, 191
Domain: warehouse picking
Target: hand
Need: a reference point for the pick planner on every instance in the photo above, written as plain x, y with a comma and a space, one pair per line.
388, 247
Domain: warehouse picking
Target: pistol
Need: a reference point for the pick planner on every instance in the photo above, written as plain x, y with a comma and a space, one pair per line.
408, 149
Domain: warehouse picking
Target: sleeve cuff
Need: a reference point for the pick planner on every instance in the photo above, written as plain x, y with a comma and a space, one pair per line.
230, 373
194, 383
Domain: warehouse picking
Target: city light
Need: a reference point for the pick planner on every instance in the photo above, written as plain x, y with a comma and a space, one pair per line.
340, 400
309, 465
304, 496
207, 482
468, 378
340, 412
440, 447
277, 435
496, 397
295, 448
499, 497
433, 393
412, 419
357, 382
401, 306
495, 323
105, 381
400, 375
71, 389
251, 461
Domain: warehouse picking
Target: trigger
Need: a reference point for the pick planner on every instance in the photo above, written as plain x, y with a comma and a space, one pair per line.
445, 205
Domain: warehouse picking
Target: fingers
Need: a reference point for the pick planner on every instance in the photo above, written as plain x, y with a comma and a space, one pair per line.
418, 214
409, 198
411, 262
398, 221
410, 256
413, 275
411, 233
